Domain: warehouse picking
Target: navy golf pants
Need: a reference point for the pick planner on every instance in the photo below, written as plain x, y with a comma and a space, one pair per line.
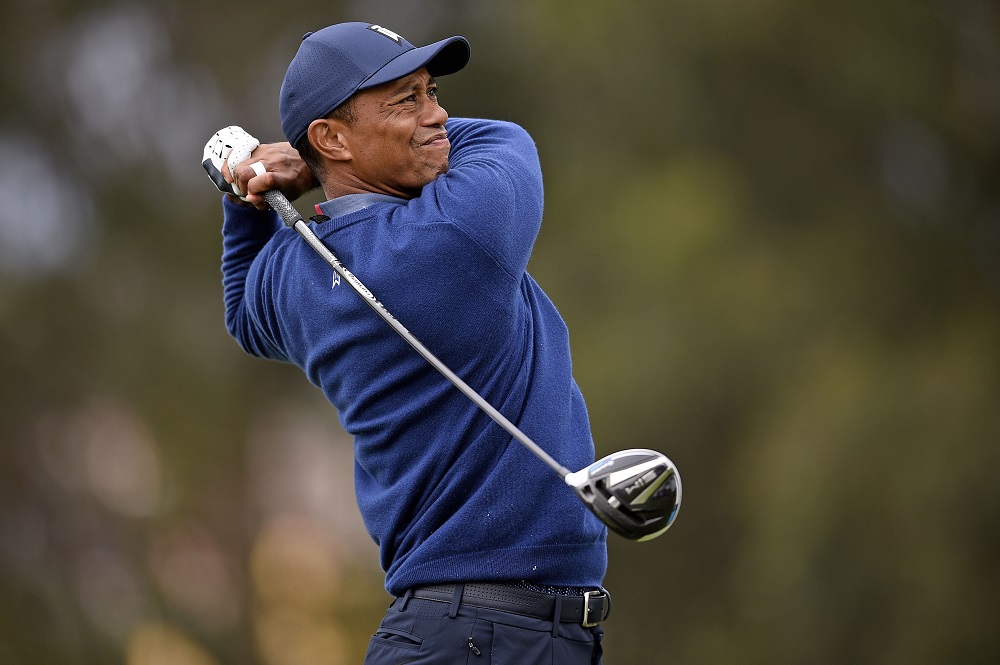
426, 632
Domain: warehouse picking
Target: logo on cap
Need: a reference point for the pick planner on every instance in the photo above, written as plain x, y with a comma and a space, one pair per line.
386, 32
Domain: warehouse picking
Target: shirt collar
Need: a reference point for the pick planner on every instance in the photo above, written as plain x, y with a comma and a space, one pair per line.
344, 205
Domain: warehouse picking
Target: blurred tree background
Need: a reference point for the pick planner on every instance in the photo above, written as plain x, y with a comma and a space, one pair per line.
773, 227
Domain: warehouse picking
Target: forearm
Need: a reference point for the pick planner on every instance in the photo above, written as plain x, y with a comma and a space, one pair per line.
245, 232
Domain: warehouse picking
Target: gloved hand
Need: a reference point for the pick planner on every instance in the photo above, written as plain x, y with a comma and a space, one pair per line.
228, 147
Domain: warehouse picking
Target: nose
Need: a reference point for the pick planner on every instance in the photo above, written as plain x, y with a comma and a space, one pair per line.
434, 115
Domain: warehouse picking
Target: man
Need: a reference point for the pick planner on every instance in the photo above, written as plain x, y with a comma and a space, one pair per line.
488, 554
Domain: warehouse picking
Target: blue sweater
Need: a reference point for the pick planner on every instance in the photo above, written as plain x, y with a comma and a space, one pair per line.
446, 493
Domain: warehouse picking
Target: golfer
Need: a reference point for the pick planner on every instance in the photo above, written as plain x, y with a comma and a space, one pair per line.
489, 556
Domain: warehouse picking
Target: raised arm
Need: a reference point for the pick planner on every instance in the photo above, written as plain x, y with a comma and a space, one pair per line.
493, 188
238, 164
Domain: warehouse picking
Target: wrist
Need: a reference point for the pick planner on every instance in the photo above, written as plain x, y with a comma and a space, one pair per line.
235, 200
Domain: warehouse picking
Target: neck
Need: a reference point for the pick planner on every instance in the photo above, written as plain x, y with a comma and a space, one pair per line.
341, 184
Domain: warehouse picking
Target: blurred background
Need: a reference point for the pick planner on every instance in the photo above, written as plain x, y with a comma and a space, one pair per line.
773, 227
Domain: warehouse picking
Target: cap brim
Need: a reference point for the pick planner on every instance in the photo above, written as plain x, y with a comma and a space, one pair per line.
440, 58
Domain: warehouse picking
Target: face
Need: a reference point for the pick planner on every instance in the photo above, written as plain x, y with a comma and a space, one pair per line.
398, 141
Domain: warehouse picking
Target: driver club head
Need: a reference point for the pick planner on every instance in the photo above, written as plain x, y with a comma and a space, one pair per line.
636, 492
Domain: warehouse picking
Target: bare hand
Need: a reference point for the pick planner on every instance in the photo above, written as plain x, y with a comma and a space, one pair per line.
284, 171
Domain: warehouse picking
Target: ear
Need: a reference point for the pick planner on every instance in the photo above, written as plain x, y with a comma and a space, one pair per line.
329, 136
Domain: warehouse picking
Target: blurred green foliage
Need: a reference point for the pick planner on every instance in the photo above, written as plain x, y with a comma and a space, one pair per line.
773, 228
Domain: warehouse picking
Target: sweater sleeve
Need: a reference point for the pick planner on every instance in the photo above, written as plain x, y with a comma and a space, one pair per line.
245, 235
493, 189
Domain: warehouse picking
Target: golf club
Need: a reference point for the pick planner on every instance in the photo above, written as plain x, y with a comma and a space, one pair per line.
636, 493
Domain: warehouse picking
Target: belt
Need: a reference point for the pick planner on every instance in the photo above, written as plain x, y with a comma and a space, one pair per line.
588, 610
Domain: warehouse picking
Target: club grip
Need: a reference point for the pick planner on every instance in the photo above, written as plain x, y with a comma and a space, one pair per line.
216, 176
280, 205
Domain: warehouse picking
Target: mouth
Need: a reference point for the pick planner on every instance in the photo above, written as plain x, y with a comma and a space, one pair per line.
437, 140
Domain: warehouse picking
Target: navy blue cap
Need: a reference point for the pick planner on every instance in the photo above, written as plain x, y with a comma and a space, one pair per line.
337, 61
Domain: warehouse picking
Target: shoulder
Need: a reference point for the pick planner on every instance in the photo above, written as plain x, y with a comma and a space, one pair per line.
460, 129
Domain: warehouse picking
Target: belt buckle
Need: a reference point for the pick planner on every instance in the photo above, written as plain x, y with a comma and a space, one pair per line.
586, 609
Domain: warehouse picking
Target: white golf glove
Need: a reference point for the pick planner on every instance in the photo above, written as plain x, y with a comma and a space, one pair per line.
231, 142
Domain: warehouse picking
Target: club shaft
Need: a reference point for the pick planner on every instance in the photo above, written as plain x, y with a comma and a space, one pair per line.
293, 219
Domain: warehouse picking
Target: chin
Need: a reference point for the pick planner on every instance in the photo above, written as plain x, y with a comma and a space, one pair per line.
435, 172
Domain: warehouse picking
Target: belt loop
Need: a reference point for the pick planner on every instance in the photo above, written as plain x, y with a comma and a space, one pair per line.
406, 599
455, 600
556, 615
